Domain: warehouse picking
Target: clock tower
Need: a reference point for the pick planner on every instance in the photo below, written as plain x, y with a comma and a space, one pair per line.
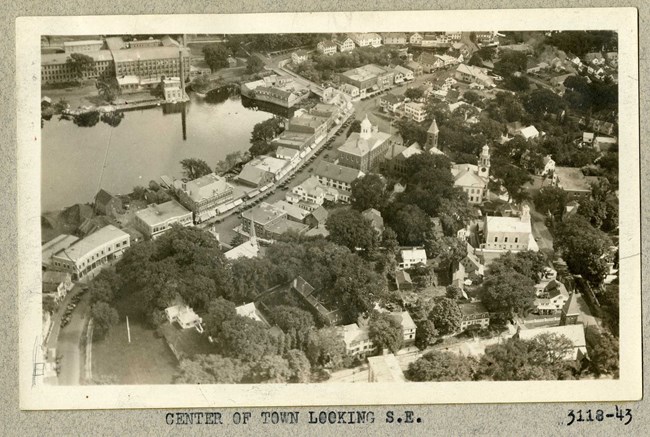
484, 163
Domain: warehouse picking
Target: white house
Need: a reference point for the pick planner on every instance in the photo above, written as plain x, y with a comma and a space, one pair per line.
250, 310
412, 257
184, 316
326, 47
509, 233
345, 45
415, 111
551, 297
356, 339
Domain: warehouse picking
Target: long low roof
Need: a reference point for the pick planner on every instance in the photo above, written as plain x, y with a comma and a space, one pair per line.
155, 214
147, 53
337, 172
62, 58
81, 248
507, 224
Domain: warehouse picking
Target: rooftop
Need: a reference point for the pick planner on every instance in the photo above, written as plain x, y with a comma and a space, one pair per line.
507, 224
472, 309
83, 43
55, 245
249, 310
385, 368
156, 214
263, 213
61, 58
147, 53
575, 333
414, 253
355, 145
404, 319
337, 172
103, 236
291, 209
206, 187
247, 249
571, 179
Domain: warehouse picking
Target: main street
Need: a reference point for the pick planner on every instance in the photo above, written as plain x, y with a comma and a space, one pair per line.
68, 344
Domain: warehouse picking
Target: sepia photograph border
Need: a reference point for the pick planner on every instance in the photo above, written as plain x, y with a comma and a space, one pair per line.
37, 397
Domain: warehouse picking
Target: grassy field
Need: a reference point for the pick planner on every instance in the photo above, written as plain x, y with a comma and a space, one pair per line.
146, 360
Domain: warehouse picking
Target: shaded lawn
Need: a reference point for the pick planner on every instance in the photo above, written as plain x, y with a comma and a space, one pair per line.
146, 360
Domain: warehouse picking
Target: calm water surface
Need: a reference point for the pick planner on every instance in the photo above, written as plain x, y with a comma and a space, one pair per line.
78, 161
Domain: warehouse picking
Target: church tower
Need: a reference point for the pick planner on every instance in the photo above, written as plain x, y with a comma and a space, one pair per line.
366, 129
484, 163
432, 136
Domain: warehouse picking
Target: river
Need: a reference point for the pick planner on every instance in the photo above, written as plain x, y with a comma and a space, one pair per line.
78, 161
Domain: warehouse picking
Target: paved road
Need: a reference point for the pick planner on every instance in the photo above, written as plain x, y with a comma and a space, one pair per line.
68, 344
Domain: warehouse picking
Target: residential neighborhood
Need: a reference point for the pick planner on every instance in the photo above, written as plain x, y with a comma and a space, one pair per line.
366, 207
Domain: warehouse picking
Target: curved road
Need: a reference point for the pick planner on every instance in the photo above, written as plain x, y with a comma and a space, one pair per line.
69, 344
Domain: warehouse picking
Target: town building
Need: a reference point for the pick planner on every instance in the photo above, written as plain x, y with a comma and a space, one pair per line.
550, 297
183, 315
254, 176
279, 90
402, 74
336, 176
571, 314
385, 368
432, 136
250, 310
151, 42
308, 123
369, 78
415, 67
54, 246
248, 249
345, 45
56, 285
317, 218
473, 179
311, 194
155, 220
513, 234
298, 141
416, 111
412, 257
573, 181
365, 39
356, 339
430, 62
107, 204
85, 256
151, 64
415, 39
288, 154
473, 267
408, 326
397, 156
55, 67
299, 56
575, 334
365, 150
173, 90
375, 218
471, 74
391, 102
394, 38
82, 46
308, 293
326, 47
474, 314
403, 280
269, 222
203, 195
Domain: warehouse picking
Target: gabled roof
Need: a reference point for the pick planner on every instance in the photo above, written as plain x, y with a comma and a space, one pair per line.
320, 214
252, 175
103, 197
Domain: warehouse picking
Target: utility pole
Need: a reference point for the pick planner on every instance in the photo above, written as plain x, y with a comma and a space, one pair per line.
128, 329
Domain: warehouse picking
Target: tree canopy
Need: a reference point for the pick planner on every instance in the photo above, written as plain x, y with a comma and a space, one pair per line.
347, 227
385, 332
441, 366
446, 315
210, 369
216, 56
508, 292
369, 191
194, 168
584, 248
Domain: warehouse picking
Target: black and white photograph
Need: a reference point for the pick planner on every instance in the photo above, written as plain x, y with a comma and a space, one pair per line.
413, 206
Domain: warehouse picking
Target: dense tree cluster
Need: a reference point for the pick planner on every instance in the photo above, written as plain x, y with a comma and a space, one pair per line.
581, 43
262, 135
508, 287
584, 248
194, 168
545, 357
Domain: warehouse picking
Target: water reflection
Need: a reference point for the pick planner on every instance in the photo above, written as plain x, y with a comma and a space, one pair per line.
135, 147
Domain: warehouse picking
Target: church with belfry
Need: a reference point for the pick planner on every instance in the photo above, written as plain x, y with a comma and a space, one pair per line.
473, 179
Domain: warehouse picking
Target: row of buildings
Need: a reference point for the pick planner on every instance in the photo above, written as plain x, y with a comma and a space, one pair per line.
348, 42
279, 90
134, 64
361, 81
